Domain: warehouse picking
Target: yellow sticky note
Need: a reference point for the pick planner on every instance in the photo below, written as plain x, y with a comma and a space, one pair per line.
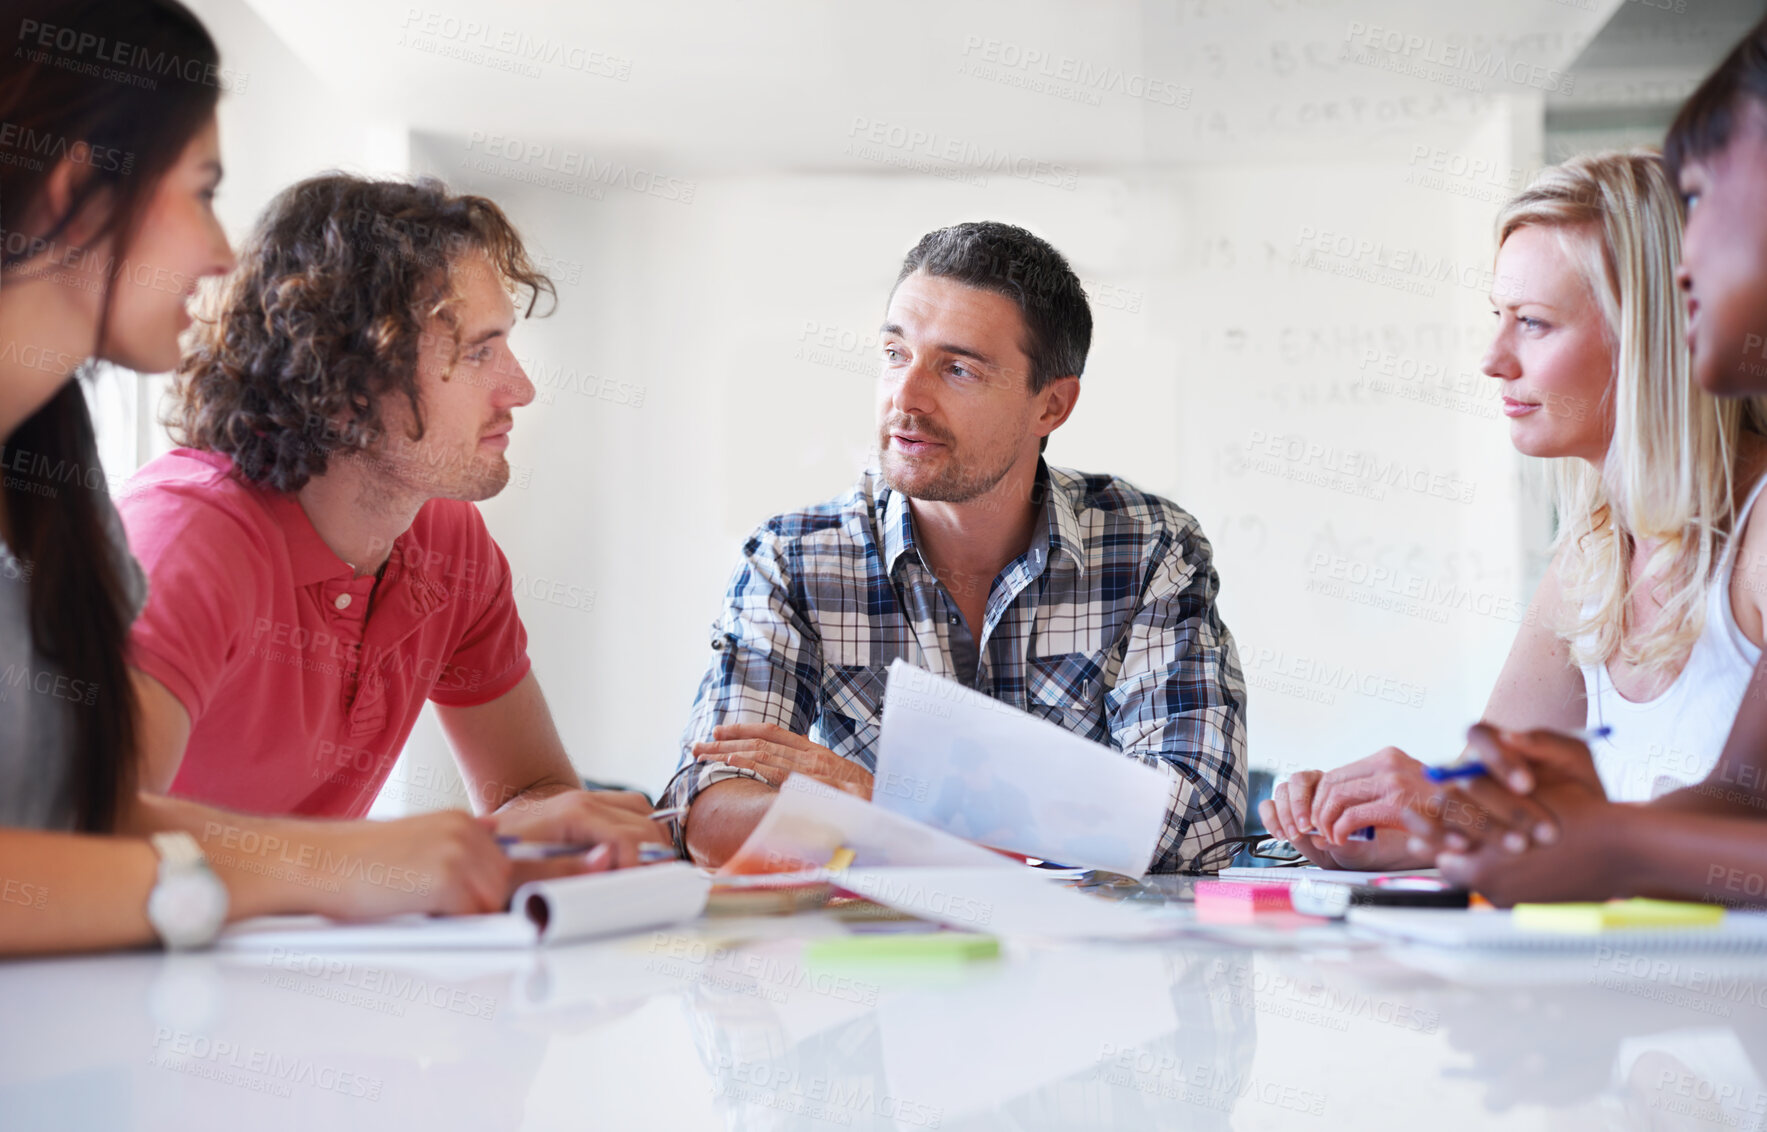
1616, 914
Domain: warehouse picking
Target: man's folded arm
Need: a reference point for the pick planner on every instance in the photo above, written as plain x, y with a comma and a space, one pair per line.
724, 814
766, 668
1179, 703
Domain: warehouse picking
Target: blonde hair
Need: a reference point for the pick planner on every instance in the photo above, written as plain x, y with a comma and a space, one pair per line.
1668, 474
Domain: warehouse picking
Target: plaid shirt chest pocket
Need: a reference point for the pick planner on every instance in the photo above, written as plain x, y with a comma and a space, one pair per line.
1068, 690
852, 709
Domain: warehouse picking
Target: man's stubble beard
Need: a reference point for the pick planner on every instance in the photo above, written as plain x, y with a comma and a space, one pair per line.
411, 473
955, 484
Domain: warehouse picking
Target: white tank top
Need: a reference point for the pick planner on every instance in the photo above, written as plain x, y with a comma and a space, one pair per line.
1674, 740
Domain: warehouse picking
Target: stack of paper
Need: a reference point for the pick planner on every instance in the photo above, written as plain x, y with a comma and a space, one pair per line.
982, 770
809, 822
1017, 902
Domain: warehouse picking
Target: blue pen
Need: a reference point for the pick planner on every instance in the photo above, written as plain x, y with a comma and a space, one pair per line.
649, 852
1472, 768
517, 849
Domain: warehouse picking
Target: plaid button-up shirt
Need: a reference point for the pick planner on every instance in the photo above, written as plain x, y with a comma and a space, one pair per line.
1106, 624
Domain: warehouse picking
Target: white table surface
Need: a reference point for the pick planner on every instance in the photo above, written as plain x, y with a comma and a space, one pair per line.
687, 1029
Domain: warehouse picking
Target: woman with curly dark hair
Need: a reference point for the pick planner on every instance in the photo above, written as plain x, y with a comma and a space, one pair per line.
107, 179
319, 571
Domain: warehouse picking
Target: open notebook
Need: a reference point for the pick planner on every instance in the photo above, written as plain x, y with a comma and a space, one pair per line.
542, 914
1440, 927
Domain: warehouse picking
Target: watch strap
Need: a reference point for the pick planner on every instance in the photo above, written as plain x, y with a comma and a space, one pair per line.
178, 849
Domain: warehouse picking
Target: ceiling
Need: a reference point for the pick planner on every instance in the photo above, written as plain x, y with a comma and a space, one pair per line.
735, 85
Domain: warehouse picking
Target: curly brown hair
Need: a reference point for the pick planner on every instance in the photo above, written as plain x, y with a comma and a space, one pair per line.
325, 316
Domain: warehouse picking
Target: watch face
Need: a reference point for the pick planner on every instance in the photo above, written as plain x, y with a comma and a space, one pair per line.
187, 908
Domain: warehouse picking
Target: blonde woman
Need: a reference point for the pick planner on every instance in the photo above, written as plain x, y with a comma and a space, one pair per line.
1649, 618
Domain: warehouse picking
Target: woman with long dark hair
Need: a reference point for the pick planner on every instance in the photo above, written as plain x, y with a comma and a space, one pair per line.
109, 162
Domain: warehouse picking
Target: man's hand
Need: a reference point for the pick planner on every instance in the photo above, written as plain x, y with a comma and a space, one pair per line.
446, 862
774, 753
1368, 792
614, 821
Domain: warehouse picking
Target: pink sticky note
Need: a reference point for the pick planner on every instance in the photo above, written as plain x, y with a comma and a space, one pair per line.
1237, 902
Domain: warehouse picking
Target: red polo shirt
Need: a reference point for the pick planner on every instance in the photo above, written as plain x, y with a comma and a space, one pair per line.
300, 696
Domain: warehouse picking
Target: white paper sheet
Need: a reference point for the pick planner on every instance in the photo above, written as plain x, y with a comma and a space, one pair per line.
809, 821
1018, 902
983, 770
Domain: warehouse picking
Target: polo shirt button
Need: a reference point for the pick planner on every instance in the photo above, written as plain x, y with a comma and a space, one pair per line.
342, 602
952, 619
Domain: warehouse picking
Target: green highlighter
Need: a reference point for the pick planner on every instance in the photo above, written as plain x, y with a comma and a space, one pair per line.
1616, 915
920, 947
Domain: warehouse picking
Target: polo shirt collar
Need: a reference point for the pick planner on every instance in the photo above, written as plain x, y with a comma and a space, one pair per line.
310, 560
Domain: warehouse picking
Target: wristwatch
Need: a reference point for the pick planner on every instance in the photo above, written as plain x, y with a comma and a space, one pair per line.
189, 903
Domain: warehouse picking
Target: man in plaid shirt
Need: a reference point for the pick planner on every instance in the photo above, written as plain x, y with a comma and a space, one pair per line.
1074, 597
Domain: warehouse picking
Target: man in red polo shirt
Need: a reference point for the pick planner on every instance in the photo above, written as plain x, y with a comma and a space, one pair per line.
317, 568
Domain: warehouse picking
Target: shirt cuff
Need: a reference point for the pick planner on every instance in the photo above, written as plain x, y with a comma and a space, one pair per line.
686, 786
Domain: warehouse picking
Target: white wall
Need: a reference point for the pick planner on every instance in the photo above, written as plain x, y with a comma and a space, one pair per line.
280, 124
745, 320
710, 360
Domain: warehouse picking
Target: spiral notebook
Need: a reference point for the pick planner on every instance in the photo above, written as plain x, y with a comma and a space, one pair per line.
1448, 927
543, 913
